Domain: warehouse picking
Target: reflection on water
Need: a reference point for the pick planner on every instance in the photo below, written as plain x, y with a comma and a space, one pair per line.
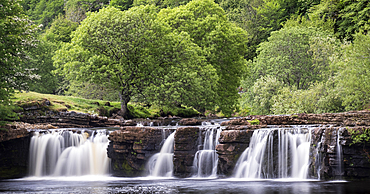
100, 184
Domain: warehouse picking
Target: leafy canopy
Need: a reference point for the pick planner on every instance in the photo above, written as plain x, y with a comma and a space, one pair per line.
223, 44
121, 49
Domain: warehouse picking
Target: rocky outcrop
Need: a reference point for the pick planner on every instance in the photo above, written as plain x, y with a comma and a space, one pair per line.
190, 121
131, 147
70, 119
14, 151
353, 118
352, 163
186, 146
232, 144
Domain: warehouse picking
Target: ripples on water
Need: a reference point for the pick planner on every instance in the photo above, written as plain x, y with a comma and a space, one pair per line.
99, 185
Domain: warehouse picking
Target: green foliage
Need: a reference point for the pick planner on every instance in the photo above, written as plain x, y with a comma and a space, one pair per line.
354, 74
161, 3
76, 9
40, 57
223, 44
287, 57
122, 51
138, 111
60, 30
44, 11
121, 4
15, 36
7, 113
91, 91
178, 111
261, 93
359, 136
353, 18
254, 122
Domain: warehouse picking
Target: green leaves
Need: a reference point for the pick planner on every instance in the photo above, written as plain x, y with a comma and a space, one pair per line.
140, 57
223, 45
354, 73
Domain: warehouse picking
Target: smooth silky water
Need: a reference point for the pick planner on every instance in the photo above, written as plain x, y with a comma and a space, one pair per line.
50, 174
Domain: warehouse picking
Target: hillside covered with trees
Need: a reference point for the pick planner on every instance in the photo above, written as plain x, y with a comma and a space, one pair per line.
225, 56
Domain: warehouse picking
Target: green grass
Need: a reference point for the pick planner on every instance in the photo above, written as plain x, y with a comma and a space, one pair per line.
70, 103
60, 103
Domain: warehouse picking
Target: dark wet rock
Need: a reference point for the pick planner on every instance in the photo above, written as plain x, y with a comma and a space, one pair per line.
184, 150
232, 144
131, 147
324, 158
14, 152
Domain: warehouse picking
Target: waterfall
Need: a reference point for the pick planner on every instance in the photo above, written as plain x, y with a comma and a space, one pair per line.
206, 160
339, 155
318, 157
64, 153
161, 164
289, 158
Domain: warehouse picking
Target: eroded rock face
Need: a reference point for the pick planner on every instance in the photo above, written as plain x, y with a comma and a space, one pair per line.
353, 118
186, 146
14, 151
131, 147
232, 144
355, 161
190, 122
70, 119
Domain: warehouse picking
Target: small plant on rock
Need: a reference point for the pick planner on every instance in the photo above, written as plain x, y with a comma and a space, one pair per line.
254, 122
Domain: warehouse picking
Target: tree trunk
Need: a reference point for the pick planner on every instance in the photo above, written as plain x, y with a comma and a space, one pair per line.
124, 100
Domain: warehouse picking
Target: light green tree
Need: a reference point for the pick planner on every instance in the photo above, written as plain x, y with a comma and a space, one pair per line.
354, 75
287, 56
223, 44
136, 55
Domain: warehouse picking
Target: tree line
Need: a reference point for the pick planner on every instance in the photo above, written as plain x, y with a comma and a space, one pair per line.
286, 56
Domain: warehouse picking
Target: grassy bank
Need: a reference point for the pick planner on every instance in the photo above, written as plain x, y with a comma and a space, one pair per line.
99, 107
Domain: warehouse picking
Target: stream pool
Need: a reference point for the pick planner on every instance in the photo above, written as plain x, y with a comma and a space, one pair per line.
106, 184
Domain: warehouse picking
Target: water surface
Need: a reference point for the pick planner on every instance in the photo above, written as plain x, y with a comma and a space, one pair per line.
106, 184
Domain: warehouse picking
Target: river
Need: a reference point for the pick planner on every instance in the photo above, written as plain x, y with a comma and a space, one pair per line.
106, 184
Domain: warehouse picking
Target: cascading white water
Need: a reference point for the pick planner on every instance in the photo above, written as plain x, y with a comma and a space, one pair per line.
263, 159
339, 155
161, 164
206, 160
64, 153
250, 163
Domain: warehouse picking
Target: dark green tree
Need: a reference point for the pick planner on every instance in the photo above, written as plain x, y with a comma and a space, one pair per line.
44, 11
122, 4
16, 34
41, 56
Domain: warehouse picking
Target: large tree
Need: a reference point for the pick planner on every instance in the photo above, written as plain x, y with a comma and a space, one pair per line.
133, 53
287, 55
223, 43
15, 35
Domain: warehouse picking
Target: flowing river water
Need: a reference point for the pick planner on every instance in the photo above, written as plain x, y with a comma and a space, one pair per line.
106, 184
